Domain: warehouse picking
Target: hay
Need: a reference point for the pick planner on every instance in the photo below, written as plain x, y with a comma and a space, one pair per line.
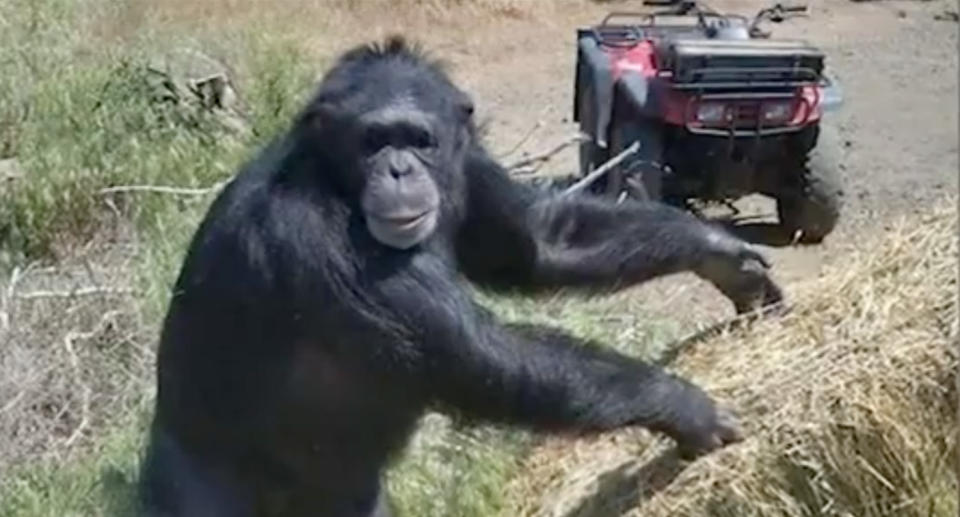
849, 404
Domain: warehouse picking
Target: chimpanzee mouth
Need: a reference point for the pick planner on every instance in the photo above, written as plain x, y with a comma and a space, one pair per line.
403, 221
402, 230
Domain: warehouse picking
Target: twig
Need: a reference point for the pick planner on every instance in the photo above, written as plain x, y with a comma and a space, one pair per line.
546, 155
13, 402
600, 171
161, 189
6, 297
86, 392
540, 123
83, 291
678, 347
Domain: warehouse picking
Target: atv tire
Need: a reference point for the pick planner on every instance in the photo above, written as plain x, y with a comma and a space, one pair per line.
812, 200
638, 175
591, 155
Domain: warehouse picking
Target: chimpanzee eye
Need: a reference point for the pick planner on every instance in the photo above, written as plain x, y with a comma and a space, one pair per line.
423, 139
374, 139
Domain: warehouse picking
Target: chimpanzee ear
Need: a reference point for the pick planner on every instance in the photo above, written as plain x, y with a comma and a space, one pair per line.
317, 116
464, 106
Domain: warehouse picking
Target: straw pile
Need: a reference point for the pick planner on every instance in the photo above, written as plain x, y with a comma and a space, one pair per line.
849, 404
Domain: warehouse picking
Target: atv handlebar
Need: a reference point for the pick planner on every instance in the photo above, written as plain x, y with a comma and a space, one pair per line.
793, 8
776, 14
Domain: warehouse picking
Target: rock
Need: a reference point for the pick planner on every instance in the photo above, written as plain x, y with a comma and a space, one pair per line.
193, 79
947, 16
10, 169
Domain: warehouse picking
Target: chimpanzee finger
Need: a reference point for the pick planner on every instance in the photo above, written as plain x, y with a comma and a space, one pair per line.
749, 253
728, 427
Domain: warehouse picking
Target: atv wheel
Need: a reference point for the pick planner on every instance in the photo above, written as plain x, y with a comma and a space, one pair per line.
812, 201
639, 175
591, 154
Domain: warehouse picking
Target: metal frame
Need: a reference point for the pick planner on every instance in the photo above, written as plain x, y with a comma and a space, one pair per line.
759, 131
800, 76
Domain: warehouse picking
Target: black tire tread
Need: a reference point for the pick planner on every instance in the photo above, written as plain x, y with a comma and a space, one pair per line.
814, 204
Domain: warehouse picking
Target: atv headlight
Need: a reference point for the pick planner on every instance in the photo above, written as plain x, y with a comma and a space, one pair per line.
777, 111
711, 112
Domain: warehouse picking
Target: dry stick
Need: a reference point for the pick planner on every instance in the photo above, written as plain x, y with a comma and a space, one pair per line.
86, 392
600, 171
83, 291
160, 189
678, 347
540, 123
544, 156
7, 297
523, 140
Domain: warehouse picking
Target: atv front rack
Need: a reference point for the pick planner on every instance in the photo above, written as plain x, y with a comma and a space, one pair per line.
754, 104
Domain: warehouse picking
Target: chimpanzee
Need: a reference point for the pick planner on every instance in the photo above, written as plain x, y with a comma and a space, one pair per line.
321, 308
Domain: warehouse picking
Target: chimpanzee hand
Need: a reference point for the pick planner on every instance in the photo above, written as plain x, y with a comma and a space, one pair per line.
700, 426
739, 271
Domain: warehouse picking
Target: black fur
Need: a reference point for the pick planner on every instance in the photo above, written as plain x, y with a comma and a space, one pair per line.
298, 352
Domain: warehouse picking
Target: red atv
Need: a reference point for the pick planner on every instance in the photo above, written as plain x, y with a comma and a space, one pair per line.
720, 111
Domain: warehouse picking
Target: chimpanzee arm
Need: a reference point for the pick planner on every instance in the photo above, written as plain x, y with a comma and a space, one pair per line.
515, 237
540, 377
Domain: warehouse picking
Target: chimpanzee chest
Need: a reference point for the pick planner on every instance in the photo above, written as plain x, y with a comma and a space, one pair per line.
331, 413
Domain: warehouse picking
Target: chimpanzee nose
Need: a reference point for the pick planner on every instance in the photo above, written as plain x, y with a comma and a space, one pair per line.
399, 171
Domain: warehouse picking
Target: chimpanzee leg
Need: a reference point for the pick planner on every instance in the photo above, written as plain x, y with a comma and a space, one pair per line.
175, 483
383, 507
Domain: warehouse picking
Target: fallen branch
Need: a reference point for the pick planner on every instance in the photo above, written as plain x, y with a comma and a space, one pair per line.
540, 123
83, 291
85, 391
160, 189
589, 179
5, 298
546, 155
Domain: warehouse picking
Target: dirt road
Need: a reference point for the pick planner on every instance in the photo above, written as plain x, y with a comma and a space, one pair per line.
896, 62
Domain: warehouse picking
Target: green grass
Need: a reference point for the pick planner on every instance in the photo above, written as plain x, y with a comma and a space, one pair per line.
80, 119
96, 483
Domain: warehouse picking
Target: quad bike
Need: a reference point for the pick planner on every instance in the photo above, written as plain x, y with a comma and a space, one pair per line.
720, 111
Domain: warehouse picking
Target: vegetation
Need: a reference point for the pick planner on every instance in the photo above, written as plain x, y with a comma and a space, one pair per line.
849, 403
85, 274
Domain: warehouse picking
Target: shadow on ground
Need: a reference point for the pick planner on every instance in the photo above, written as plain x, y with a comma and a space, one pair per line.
755, 231
629, 485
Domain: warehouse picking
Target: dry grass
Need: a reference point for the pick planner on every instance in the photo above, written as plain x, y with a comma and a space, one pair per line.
72, 354
849, 404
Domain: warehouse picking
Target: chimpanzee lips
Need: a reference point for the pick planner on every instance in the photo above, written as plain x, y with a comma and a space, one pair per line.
402, 229
403, 220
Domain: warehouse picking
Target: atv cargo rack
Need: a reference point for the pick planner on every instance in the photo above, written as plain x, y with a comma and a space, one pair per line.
704, 63
643, 26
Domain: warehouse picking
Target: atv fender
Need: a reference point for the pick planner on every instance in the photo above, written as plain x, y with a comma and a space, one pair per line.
594, 76
832, 94
634, 104
635, 89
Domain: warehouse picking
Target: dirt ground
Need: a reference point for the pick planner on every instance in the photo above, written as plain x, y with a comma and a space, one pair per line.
895, 61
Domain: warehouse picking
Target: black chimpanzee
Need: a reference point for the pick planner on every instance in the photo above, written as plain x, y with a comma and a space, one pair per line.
320, 309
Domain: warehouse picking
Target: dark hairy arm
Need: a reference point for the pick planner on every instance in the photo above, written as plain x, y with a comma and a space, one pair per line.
536, 376
515, 237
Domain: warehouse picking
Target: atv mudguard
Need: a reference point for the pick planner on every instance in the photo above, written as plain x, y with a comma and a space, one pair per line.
832, 94
594, 78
